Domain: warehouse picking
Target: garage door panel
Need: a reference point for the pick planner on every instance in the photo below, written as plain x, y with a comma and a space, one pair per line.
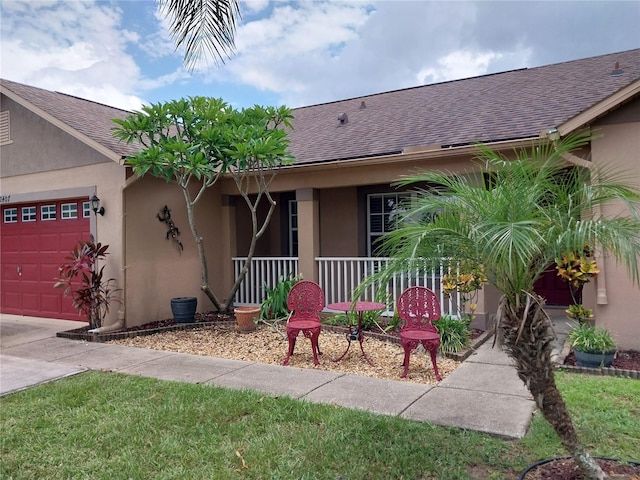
30, 273
48, 243
10, 272
11, 244
50, 302
11, 300
29, 244
49, 272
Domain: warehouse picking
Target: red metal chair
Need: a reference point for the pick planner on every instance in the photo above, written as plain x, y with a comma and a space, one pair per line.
305, 300
417, 308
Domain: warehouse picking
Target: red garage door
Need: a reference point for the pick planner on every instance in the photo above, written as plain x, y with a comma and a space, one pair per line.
35, 238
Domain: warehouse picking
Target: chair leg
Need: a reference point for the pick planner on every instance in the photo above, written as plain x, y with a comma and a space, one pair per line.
315, 348
407, 355
292, 345
432, 352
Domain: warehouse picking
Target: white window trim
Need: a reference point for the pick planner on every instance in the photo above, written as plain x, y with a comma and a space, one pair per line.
292, 229
42, 213
12, 217
72, 209
370, 234
32, 215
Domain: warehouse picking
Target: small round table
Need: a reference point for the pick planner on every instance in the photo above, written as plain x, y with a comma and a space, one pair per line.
356, 334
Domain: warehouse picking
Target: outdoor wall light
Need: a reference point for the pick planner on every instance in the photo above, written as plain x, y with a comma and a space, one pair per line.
95, 205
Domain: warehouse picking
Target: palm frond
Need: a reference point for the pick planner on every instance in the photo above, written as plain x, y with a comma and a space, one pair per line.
202, 25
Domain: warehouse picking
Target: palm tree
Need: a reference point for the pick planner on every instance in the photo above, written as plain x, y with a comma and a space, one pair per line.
201, 25
515, 217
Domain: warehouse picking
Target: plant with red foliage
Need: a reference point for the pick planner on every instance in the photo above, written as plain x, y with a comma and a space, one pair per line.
95, 294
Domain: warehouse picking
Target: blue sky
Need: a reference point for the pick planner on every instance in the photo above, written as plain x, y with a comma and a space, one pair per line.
300, 53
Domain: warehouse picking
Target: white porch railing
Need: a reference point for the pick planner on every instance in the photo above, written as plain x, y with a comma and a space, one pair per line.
339, 277
262, 271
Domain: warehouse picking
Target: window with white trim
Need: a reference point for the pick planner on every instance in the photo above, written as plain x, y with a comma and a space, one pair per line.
29, 214
293, 228
86, 209
69, 211
382, 213
47, 212
10, 215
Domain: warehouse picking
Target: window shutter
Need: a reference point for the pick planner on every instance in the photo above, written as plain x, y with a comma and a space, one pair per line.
5, 132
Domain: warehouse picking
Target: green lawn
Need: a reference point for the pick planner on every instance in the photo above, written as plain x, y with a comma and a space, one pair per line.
109, 426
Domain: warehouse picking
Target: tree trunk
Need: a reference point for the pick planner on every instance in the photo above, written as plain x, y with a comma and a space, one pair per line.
527, 337
204, 282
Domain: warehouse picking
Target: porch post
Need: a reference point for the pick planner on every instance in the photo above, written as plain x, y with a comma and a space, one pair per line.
308, 232
229, 243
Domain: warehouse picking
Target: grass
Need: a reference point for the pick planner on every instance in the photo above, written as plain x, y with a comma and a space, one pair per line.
102, 425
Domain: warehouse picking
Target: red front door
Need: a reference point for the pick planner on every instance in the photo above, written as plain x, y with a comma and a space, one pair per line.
553, 288
35, 238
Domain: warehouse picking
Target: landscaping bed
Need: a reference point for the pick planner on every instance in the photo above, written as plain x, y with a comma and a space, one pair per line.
216, 335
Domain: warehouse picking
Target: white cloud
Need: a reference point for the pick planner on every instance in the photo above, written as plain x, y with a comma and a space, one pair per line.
455, 65
72, 47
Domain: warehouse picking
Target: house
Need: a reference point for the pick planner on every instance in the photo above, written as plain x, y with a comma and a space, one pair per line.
333, 203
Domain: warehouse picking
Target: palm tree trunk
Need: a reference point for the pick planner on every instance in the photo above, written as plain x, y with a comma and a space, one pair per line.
528, 339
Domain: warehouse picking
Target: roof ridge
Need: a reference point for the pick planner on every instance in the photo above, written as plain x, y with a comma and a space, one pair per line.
371, 95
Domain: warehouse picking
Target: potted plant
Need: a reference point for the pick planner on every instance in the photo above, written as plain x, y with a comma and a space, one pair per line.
593, 347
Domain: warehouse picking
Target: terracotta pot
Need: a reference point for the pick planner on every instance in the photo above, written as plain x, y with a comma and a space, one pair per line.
245, 317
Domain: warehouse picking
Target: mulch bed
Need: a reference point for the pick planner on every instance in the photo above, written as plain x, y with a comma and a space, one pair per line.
626, 360
566, 469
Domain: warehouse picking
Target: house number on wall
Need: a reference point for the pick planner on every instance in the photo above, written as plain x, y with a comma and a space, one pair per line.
5, 198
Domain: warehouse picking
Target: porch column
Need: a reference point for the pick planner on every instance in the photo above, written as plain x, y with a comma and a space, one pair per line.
229, 244
308, 232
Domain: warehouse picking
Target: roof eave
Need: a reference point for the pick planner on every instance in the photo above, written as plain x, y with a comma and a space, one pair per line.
414, 153
600, 108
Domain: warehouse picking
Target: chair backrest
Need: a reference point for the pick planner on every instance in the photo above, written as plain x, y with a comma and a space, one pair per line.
418, 307
305, 300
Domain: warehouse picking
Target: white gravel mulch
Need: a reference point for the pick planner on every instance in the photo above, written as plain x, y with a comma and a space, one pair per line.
268, 346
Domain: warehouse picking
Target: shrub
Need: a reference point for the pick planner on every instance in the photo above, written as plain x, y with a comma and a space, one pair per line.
588, 339
455, 334
95, 294
274, 305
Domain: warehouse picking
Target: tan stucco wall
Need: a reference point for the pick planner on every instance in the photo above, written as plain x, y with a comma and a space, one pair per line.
618, 144
104, 179
156, 268
338, 225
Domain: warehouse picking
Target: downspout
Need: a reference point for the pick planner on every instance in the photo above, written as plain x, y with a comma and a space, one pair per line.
120, 322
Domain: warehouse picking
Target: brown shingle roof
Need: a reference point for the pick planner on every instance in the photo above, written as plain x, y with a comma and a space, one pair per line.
503, 106
510, 105
89, 118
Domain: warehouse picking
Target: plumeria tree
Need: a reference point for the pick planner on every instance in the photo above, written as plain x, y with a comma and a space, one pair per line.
195, 142
515, 217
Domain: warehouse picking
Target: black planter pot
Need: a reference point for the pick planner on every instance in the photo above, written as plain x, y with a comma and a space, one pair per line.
594, 360
184, 309
532, 467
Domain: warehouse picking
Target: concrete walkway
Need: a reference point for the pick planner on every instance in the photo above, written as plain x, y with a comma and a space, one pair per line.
483, 394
